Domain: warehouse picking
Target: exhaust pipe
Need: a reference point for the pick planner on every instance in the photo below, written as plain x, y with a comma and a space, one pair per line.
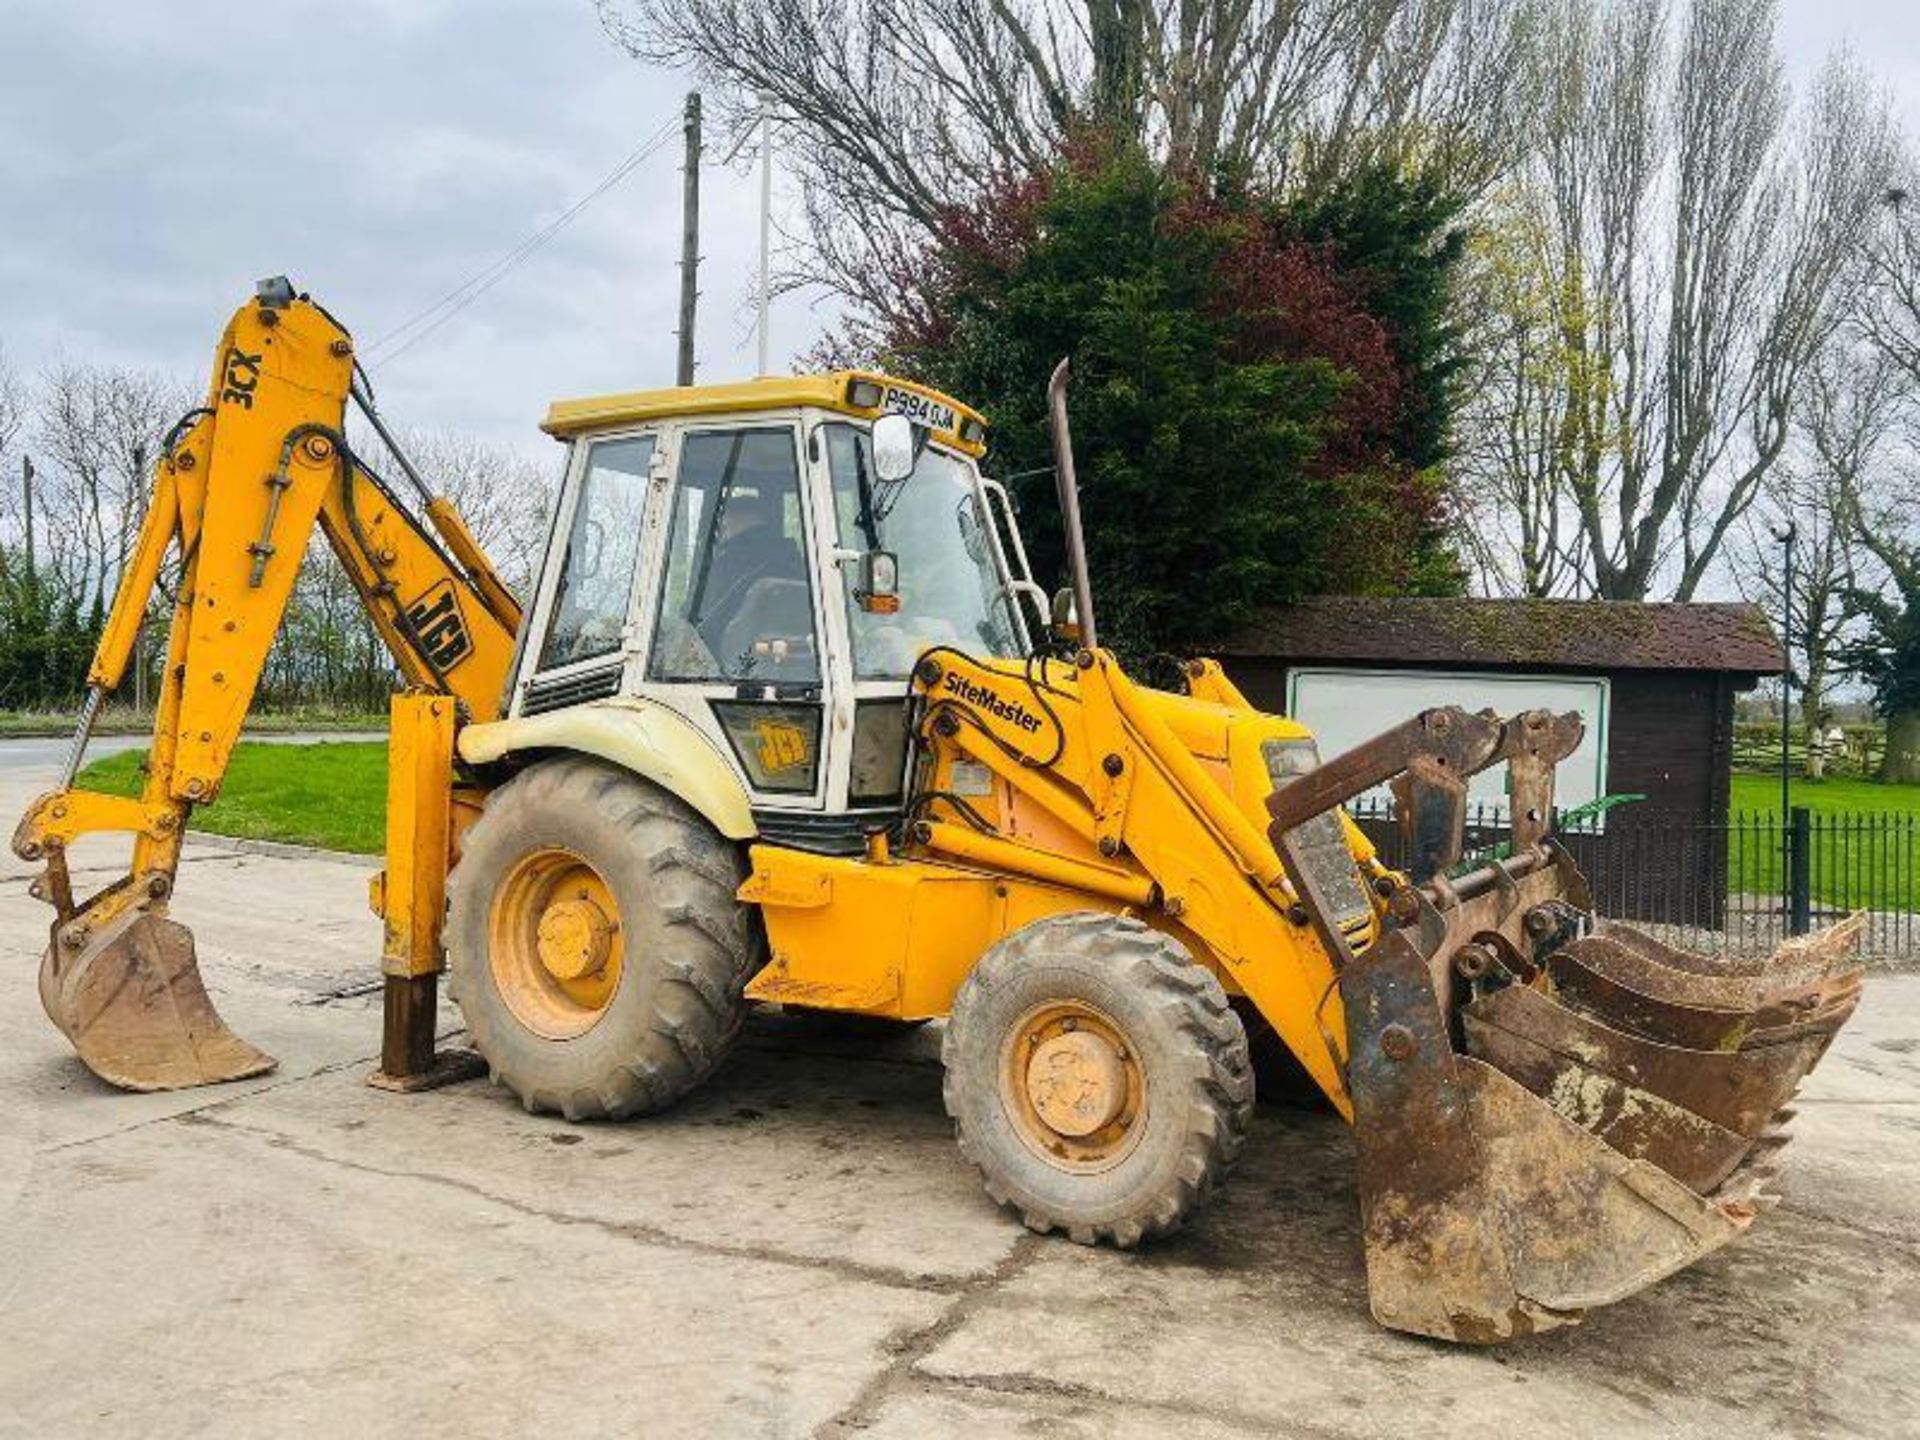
1068, 485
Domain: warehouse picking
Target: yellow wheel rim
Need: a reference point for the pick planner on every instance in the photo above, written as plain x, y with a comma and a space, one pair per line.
1072, 1084
555, 943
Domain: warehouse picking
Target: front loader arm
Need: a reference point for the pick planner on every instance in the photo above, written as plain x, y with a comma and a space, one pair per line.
237, 494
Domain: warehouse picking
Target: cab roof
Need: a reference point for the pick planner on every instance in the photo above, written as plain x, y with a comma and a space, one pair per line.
844, 391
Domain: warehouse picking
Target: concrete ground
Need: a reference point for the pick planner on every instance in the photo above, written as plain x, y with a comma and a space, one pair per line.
800, 1250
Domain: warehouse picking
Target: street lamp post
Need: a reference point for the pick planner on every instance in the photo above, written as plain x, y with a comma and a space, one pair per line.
766, 214
1785, 535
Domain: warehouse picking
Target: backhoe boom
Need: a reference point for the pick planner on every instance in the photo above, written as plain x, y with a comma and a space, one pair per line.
237, 493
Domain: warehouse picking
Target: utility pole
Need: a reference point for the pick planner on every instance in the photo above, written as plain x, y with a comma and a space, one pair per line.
689, 238
26, 494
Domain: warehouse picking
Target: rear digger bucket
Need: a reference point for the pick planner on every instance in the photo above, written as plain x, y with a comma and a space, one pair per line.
1550, 1112
131, 1000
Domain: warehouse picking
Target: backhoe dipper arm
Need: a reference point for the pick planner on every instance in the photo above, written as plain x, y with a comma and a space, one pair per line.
236, 495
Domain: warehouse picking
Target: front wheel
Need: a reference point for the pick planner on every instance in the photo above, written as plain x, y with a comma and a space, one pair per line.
1097, 1078
594, 943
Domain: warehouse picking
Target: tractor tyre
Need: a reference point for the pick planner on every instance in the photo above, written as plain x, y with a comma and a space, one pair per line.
1097, 1077
594, 943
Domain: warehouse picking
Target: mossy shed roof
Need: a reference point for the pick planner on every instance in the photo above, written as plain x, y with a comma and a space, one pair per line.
1513, 634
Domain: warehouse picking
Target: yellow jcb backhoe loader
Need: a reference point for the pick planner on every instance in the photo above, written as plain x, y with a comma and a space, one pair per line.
786, 719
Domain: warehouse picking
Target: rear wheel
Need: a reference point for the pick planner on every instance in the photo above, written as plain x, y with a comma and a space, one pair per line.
1097, 1077
594, 942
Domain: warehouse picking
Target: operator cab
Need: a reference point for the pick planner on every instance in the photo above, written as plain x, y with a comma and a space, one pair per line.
770, 560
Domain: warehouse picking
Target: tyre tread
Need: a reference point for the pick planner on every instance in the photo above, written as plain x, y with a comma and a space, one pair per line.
699, 1004
1219, 1105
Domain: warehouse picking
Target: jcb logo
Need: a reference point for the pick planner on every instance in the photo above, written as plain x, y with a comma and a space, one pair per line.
782, 746
239, 378
439, 628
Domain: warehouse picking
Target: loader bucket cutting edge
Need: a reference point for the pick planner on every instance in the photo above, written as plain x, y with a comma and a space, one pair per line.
136, 1010
1564, 1162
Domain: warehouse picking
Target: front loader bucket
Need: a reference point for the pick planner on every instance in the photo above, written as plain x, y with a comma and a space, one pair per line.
1488, 1215
1587, 1141
1550, 1112
132, 1002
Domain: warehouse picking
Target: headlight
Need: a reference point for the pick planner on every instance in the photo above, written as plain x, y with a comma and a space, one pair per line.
1289, 758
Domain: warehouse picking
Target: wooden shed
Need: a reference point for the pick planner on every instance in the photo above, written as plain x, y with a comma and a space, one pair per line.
1656, 681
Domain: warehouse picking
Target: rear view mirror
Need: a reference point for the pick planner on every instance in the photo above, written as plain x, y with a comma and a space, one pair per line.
878, 588
892, 448
1066, 617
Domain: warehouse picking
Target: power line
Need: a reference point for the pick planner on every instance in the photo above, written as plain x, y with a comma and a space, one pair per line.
454, 301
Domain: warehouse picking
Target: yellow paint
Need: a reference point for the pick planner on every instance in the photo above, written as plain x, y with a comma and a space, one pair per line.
555, 943
568, 418
782, 746
892, 939
638, 735
1148, 802
413, 894
1128, 887
1100, 794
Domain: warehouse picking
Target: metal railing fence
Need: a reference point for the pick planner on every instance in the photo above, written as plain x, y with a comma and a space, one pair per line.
1739, 885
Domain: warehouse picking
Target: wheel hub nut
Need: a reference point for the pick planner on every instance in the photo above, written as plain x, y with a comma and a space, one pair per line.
1077, 1083
575, 939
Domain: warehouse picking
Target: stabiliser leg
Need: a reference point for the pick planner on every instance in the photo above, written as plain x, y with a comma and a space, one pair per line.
411, 896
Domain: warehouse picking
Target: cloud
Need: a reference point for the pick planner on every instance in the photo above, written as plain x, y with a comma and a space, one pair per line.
156, 159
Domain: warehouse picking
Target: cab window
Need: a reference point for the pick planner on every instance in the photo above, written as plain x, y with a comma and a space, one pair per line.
736, 603
603, 544
935, 523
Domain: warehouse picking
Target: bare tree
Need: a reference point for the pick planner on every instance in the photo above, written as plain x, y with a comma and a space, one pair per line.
1881, 498
904, 110
1890, 309
1691, 239
13, 421
1514, 420
98, 431
13, 406
1846, 429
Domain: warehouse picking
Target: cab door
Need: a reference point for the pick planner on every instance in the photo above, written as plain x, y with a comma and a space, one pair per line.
580, 639
733, 618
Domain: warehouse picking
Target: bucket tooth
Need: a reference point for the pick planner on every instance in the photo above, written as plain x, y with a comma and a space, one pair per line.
1826, 951
134, 1006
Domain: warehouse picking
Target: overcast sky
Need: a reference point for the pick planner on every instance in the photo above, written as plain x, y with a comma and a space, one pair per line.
157, 156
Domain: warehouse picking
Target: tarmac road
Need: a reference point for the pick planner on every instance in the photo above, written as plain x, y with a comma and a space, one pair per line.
799, 1250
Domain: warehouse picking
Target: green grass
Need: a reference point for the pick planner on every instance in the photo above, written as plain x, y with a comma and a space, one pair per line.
1754, 793
332, 794
1856, 861
125, 720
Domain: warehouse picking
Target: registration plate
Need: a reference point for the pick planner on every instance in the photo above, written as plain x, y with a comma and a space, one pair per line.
921, 410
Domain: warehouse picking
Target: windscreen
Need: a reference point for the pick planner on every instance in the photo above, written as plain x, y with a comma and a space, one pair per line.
935, 521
